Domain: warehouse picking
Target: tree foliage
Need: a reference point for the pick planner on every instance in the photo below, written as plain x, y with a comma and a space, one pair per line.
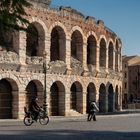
13, 14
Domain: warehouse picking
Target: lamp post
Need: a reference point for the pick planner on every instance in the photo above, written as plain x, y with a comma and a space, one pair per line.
45, 72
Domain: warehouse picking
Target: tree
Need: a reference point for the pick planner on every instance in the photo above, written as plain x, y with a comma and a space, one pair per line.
13, 15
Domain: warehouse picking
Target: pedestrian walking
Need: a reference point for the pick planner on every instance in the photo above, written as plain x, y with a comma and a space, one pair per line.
92, 111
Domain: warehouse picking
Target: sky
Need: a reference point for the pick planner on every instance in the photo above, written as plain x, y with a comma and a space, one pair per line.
121, 16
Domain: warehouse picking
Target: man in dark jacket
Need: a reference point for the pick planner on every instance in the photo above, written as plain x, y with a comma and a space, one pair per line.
34, 107
92, 111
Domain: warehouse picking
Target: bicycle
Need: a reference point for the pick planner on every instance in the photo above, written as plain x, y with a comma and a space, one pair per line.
29, 117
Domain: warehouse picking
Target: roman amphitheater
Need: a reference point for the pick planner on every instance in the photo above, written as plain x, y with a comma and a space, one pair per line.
65, 59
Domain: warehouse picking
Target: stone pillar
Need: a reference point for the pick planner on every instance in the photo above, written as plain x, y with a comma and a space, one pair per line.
19, 100
119, 62
107, 57
116, 61
97, 57
84, 102
67, 103
68, 53
113, 59
84, 55
47, 48
22, 47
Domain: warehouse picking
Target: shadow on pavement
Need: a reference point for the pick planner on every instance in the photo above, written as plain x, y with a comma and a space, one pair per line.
71, 135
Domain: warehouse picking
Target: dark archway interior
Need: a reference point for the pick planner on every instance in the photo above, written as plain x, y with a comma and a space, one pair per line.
31, 92
5, 99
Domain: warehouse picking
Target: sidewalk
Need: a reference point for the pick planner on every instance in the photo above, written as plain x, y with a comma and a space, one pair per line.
122, 113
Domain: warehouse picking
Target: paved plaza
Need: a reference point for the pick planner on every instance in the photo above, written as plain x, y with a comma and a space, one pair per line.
109, 127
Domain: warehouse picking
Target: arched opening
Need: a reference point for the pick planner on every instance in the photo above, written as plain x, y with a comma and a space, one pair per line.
91, 94
116, 98
110, 56
6, 99
35, 42
102, 53
76, 97
34, 89
58, 44
57, 99
102, 98
9, 45
77, 46
31, 91
110, 98
91, 50
6, 40
116, 56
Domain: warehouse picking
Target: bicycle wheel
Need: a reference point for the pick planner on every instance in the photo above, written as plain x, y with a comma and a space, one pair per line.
28, 120
44, 120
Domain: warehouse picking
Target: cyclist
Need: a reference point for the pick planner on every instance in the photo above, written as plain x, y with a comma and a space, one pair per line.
34, 108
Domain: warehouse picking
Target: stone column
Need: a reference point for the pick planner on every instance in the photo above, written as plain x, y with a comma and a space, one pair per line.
119, 62
67, 103
97, 57
68, 54
107, 57
85, 56
47, 48
116, 61
19, 100
113, 59
22, 47
84, 102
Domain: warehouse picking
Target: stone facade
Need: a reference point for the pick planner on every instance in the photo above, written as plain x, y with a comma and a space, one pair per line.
82, 58
131, 84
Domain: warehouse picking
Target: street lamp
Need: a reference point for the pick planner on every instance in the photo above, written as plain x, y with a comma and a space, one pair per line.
45, 85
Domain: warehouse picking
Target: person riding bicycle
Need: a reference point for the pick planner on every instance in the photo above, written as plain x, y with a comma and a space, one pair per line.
92, 109
34, 108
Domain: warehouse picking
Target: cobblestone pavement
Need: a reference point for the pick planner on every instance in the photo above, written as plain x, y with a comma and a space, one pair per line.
109, 127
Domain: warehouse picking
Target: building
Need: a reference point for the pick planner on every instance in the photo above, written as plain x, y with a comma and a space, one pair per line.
65, 58
134, 81
130, 70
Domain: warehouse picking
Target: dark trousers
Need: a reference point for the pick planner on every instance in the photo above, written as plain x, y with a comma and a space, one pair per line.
91, 115
35, 114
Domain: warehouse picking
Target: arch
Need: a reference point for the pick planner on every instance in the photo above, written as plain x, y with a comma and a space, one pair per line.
34, 89
77, 45
91, 94
91, 50
110, 98
102, 98
76, 97
102, 53
58, 44
58, 24
110, 55
8, 98
57, 99
8, 39
35, 41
